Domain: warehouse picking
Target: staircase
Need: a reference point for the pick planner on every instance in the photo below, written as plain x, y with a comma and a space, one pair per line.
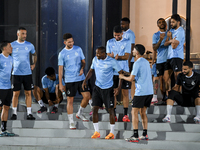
51, 131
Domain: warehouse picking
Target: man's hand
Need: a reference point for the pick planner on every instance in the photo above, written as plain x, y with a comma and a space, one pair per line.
32, 66
84, 85
162, 35
116, 57
50, 102
116, 91
61, 87
121, 76
112, 55
169, 34
81, 72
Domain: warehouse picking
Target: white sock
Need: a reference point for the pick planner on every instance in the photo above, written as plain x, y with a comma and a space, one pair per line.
96, 126
169, 110
112, 128
70, 117
29, 110
90, 102
154, 96
14, 110
80, 111
198, 110
40, 102
56, 105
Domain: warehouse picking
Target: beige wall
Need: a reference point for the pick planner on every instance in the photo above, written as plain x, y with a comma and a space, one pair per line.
144, 14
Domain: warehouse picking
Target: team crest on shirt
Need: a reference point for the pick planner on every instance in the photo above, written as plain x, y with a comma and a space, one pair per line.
17, 49
26, 48
193, 83
76, 53
67, 56
105, 66
5, 64
122, 47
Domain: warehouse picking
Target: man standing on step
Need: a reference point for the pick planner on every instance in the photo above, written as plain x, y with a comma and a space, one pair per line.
158, 42
72, 60
189, 82
120, 49
130, 35
104, 67
6, 62
141, 73
22, 71
50, 94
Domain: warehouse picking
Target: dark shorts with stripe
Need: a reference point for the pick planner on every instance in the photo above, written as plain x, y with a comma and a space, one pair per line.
141, 101
5, 97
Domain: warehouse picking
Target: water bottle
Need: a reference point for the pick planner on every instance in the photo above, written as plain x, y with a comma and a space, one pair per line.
64, 95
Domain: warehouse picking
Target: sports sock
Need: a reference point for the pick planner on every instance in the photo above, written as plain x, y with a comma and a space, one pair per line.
112, 128
135, 133
40, 102
96, 126
70, 117
198, 110
14, 110
80, 111
29, 110
169, 110
56, 105
3, 126
155, 97
125, 111
90, 102
144, 132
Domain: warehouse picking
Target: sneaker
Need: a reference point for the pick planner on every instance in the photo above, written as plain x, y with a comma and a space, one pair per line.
42, 109
95, 135
13, 117
197, 120
110, 136
115, 118
91, 113
132, 139
82, 117
125, 119
154, 101
72, 126
54, 110
144, 137
6, 133
30, 117
166, 119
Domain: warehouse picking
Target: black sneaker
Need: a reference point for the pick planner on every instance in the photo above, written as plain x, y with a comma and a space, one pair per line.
13, 117
55, 110
30, 117
42, 109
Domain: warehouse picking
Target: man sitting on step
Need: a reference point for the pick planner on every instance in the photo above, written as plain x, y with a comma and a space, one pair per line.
50, 94
189, 81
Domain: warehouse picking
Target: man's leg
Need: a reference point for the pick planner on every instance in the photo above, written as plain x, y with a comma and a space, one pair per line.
38, 94
125, 95
170, 104
70, 101
58, 100
112, 124
155, 88
28, 99
84, 103
166, 77
197, 105
95, 120
144, 123
14, 104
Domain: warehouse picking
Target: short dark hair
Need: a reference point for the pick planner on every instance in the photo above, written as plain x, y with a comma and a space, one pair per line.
102, 49
50, 71
67, 36
125, 19
140, 48
176, 17
21, 28
188, 63
160, 19
117, 29
4, 44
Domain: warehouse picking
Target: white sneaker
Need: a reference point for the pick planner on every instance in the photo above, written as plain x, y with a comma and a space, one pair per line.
82, 117
197, 120
166, 119
72, 126
154, 101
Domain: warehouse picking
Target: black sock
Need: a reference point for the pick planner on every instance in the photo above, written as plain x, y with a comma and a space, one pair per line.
115, 111
125, 111
3, 125
135, 133
144, 132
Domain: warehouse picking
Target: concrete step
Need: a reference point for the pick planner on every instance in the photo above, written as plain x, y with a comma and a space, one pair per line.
151, 110
103, 125
119, 134
104, 117
32, 143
